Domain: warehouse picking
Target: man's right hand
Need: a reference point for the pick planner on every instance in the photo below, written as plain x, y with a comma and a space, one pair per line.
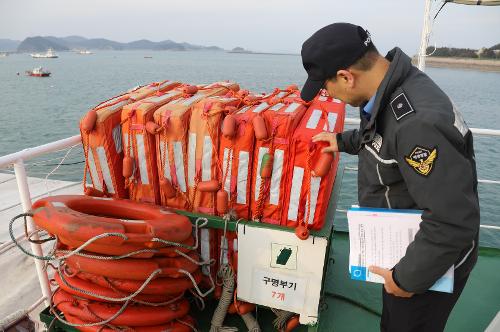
330, 138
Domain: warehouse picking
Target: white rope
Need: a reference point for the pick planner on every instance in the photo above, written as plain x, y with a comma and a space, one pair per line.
55, 169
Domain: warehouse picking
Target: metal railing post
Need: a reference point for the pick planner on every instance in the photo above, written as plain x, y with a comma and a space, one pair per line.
24, 193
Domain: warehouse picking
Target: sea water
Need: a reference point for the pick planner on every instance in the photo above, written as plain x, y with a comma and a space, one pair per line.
40, 110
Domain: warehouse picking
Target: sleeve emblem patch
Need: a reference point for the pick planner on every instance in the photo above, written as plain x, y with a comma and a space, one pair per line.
422, 160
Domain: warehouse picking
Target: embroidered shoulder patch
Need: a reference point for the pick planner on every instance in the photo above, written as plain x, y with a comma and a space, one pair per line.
422, 160
401, 107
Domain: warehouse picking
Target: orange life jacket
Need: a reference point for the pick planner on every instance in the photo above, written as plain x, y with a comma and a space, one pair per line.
101, 135
204, 172
272, 155
173, 120
140, 145
309, 193
236, 147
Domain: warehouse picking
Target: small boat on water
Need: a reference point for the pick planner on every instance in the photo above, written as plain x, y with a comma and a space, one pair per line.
84, 52
38, 72
4, 54
50, 54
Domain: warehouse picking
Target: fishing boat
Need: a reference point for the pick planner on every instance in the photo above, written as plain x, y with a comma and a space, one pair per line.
50, 54
84, 52
344, 304
38, 72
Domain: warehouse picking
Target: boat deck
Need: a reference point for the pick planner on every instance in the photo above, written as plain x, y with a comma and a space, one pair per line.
20, 287
347, 305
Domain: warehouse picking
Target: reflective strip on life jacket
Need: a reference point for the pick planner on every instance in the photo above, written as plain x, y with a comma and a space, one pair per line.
179, 166
258, 179
93, 171
106, 174
164, 152
243, 173
191, 159
141, 158
315, 184
206, 161
260, 108
274, 195
276, 107
313, 121
332, 121
292, 107
224, 246
293, 209
117, 138
228, 153
205, 250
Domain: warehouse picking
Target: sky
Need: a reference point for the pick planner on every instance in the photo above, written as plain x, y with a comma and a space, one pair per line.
258, 25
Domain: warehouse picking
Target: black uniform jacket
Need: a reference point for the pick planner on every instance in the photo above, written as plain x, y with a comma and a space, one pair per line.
416, 152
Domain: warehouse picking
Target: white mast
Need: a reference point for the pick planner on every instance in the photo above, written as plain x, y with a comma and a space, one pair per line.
426, 31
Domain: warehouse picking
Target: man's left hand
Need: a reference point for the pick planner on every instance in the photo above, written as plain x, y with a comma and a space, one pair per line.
389, 284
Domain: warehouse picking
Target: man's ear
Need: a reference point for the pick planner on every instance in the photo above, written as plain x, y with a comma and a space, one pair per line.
346, 77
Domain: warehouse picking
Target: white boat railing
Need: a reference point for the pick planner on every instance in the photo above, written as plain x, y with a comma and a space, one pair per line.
17, 160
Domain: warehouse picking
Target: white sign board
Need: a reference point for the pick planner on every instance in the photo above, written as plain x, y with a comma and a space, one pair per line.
278, 270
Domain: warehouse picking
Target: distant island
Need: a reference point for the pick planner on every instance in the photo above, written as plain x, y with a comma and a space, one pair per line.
241, 50
491, 53
484, 59
61, 44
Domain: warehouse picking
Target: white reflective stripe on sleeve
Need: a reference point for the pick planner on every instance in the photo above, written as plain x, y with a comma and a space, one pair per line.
206, 161
228, 153
332, 120
315, 183
274, 196
141, 158
93, 171
293, 209
313, 121
179, 166
117, 137
292, 107
191, 159
260, 108
205, 250
106, 174
241, 184
164, 154
262, 152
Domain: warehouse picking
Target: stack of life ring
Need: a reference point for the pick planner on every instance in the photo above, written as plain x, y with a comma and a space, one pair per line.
122, 264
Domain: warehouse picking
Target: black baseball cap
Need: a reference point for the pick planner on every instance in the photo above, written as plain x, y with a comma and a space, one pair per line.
330, 49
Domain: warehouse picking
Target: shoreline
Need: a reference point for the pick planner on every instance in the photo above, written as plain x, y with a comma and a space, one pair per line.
461, 63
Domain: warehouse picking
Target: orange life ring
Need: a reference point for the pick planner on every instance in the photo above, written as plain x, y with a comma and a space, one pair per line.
169, 251
134, 268
81, 218
158, 286
133, 315
85, 287
173, 326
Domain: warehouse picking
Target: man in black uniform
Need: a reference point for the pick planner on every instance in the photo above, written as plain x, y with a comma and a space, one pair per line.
415, 152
